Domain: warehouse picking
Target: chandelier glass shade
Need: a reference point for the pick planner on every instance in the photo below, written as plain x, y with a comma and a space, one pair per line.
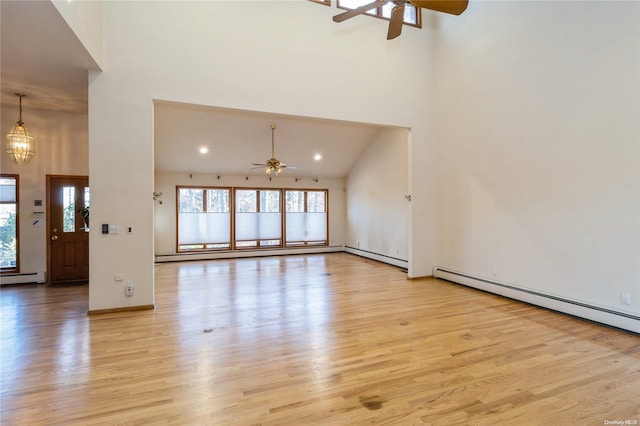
20, 144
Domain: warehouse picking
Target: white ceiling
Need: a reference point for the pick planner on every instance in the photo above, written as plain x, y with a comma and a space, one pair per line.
41, 57
236, 139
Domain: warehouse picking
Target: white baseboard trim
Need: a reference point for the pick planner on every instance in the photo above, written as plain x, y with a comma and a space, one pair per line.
623, 320
24, 278
181, 257
379, 257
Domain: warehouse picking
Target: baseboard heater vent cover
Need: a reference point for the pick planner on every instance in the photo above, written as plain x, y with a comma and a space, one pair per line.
599, 314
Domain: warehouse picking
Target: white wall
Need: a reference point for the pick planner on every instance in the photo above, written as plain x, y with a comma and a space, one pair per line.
61, 149
377, 210
539, 148
282, 57
165, 213
85, 19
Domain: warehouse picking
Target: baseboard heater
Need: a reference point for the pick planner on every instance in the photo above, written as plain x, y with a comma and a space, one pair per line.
211, 255
376, 256
24, 278
623, 320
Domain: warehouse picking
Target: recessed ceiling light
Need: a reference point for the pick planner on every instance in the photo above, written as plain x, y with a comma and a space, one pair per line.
204, 150
317, 157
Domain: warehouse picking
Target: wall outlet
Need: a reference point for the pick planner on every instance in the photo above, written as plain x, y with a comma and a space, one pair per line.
128, 290
625, 298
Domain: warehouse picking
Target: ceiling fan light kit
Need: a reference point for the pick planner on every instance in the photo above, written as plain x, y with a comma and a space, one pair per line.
273, 166
452, 7
20, 145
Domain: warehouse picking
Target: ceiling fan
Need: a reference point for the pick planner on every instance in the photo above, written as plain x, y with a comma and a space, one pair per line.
273, 165
453, 7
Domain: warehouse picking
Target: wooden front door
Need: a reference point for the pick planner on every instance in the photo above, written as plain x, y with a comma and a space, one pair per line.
68, 233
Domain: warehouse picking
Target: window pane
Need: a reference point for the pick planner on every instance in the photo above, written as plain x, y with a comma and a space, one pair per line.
8, 222
295, 201
410, 14
269, 201
218, 246
246, 201
191, 200
8, 236
7, 190
191, 247
316, 201
352, 4
201, 228
316, 227
218, 200
306, 227
244, 244
68, 209
307, 223
258, 226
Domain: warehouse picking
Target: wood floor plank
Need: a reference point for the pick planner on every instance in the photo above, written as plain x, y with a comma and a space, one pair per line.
312, 339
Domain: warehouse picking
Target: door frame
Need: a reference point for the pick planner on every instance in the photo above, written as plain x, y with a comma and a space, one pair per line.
48, 235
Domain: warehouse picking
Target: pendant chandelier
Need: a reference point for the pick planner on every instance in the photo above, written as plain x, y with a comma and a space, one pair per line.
20, 144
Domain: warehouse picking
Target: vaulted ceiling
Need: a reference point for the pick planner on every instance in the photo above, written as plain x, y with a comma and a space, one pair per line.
43, 58
236, 139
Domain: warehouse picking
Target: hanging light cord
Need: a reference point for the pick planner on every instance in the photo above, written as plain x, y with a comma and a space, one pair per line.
20, 95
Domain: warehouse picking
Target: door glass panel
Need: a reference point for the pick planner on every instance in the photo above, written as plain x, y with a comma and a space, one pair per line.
85, 211
68, 209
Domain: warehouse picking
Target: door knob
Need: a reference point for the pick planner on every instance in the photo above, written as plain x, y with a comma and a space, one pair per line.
55, 237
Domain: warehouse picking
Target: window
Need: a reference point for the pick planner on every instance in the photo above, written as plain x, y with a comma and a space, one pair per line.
411, 13
258, 218
9, 223
212, 218
204, 218
306, 217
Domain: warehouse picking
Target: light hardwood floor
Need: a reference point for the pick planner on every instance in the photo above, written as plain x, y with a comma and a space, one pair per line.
313, 339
